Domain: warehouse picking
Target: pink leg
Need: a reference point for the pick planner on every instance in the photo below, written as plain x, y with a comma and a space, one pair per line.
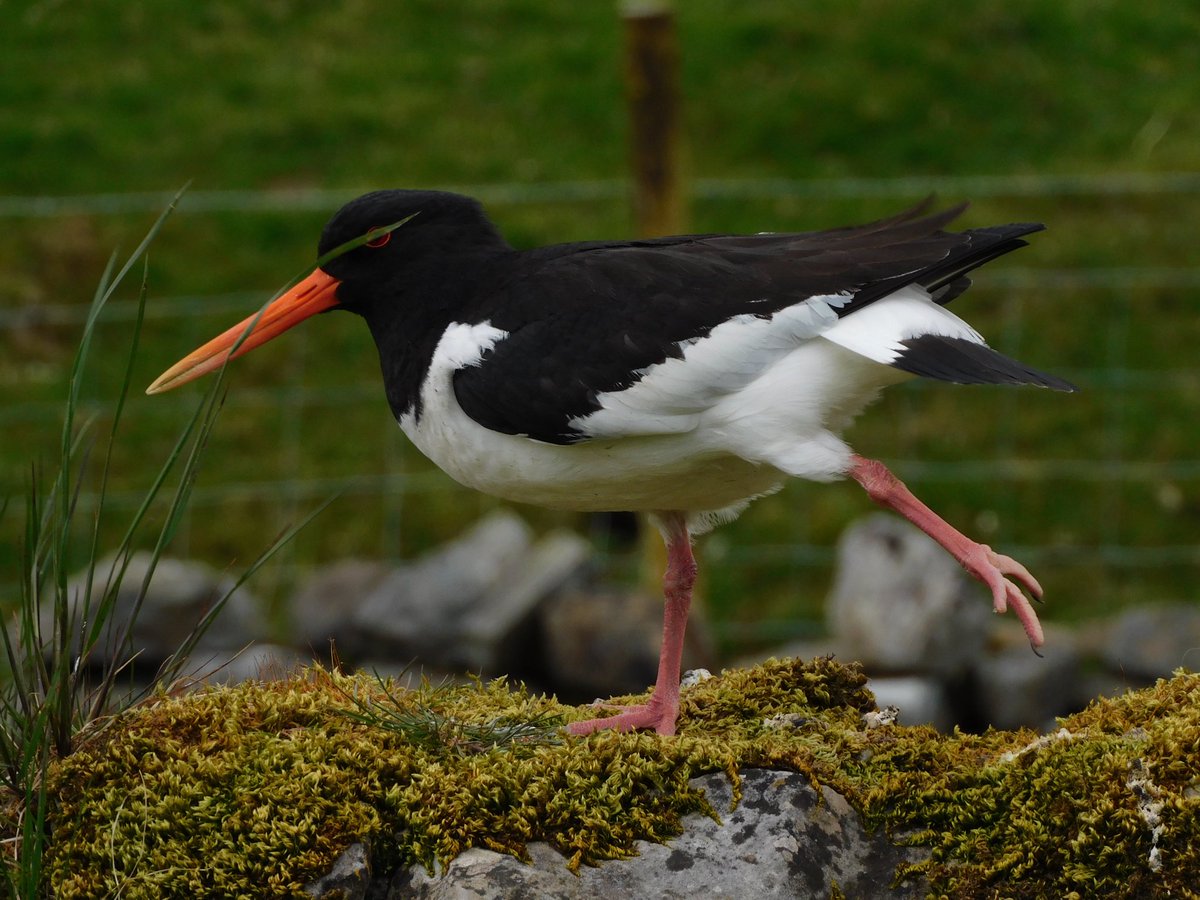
979, 560
660, 713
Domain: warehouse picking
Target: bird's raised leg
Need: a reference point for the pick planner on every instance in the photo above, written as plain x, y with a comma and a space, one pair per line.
660, 713
998, 572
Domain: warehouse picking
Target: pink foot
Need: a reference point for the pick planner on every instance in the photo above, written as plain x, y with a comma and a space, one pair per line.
1003, 575
648, 715
999, 572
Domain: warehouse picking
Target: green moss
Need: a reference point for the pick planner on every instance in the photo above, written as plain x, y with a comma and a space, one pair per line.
221, 793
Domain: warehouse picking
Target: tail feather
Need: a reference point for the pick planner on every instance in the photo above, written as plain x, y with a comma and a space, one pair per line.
965, 362
985, 245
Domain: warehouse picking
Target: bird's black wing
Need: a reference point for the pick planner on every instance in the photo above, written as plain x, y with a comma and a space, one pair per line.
588, 319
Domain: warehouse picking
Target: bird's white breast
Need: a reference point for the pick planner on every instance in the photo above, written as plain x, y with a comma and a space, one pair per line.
646, 472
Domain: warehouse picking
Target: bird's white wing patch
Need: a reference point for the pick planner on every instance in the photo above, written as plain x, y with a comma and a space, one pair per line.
443, 431
672, 396
875, 331
464, 345
460, 346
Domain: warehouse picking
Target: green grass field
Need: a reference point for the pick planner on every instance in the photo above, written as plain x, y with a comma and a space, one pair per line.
1100, 490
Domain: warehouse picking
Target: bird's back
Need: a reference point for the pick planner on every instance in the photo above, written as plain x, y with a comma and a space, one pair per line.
673, 325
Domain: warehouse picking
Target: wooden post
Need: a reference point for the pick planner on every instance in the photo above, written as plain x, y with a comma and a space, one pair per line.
652, 91
653, 96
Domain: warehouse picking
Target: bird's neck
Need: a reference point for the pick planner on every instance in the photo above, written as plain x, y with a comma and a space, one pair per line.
408, 325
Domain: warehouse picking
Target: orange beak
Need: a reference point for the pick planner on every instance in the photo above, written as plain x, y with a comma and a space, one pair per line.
316, 293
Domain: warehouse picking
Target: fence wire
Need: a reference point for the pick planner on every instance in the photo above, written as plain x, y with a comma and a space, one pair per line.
1114, 469
310, 200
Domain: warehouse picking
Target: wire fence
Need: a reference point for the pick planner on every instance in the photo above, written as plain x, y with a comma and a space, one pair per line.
1121, 376
311, 199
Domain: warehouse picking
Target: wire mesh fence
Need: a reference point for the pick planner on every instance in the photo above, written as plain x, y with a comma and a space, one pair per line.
1099, 492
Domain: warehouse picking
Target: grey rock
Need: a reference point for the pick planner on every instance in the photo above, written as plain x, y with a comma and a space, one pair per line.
349, 878
178, 596
414, 609
1152, 641
900, 603
782, 841
323, 609
496, 634
1098, 684
257, 662
919, 700
604, 642
468, 605
804, 648
1018, 689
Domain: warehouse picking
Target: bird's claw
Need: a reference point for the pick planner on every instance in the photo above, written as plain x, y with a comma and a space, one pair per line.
1005, 576
1010, 567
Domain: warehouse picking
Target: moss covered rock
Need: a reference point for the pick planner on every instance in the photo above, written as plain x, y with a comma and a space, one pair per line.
256, 789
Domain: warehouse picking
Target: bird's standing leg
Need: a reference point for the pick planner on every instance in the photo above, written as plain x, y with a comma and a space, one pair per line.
992, 568
660, 713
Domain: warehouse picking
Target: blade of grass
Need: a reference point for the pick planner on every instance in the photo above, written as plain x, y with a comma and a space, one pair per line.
66, 667
196, 434
102, 490
169, 670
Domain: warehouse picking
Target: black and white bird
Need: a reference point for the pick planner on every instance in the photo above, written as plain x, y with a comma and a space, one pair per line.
681, 377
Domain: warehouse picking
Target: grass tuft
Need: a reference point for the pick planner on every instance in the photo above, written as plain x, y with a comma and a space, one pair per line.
417, 717
59, 688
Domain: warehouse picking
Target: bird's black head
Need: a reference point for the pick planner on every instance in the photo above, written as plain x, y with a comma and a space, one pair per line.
440, 244
440, 231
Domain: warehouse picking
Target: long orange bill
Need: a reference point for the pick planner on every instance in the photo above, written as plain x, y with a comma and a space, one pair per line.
316, 293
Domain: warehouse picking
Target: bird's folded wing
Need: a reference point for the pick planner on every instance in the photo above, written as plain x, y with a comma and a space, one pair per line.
585, 323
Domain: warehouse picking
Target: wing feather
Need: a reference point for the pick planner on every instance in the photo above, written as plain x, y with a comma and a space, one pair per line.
586, 320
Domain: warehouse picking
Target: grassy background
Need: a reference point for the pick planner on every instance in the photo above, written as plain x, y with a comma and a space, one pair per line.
1100, 491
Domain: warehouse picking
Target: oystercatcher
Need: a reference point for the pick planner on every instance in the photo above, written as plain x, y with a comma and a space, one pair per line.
681, 377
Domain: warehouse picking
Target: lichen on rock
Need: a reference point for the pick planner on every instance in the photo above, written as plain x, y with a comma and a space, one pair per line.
257, 789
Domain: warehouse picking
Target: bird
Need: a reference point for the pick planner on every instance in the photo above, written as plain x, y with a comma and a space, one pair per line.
679, 377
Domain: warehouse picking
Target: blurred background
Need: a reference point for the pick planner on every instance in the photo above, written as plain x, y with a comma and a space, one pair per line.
795, 116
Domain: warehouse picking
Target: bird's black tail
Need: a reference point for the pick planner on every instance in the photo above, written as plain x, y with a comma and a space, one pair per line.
966, 362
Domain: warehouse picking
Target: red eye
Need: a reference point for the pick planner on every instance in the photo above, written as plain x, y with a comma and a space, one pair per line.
377, 241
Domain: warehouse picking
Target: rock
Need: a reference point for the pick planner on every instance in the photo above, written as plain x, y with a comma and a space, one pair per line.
412, 613
782, 841
323, 609
178, 596
918, 700
1151, 642
1100, 684
496, 633
1016, 689
468, 605
603, 642
347, 880
900, 603
804, 648
258, 662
